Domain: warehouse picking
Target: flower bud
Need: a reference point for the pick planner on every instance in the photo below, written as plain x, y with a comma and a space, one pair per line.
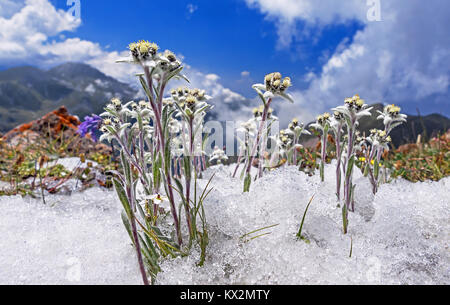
277, 76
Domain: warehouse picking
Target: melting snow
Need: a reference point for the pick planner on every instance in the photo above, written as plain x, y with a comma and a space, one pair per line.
400, 236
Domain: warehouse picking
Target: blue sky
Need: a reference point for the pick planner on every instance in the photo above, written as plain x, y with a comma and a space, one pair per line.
330, 48
225, 37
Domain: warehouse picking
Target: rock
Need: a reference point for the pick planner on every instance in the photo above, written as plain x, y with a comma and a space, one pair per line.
57, 126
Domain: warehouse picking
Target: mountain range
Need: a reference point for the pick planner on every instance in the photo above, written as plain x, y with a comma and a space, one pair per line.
28, 93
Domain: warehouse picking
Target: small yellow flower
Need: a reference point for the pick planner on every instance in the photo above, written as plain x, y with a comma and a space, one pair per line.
143, 104
116, 102
268, 78
190, 101
133, 46
362, 159
277, 76
382, 133
392, 109
286, 82
170, 56
143, 48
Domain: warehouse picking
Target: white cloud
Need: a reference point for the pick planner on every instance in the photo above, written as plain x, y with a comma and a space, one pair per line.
191, 9
285, 13
402, 59
245, 73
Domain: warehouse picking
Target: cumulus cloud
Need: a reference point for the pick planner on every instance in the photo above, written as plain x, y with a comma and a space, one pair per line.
402, 59
285, 14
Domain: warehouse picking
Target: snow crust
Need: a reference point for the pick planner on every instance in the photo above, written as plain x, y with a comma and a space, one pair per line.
399, 236
72, 240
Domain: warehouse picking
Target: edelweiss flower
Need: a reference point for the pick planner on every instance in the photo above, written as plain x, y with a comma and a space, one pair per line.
219, 155
142, 52
157, 199
322, 122
392, 117
274, 85
354, 109
296, 128
191, 103
379, 138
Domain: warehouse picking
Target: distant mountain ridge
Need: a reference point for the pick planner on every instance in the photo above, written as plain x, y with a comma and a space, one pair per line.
27, 93
427, 126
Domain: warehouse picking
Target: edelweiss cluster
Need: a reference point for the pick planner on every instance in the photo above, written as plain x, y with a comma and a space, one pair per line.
157, 144
355, 102
275, 83
160, 152
392, 117
379, 137
143, 50
349, 142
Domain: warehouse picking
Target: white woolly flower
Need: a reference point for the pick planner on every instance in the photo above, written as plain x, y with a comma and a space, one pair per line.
354, 109
274, 85
392, 117
219, 155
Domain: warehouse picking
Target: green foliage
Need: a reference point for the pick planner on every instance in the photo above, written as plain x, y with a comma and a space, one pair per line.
421, 162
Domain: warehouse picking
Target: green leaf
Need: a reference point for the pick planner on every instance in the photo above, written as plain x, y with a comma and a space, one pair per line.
123, 198
366, 170
322, 171
156, 173
144, 86
345, 218
127, 225
350, 164
187, 166
299, 234
247, 182
376, 169
126, 167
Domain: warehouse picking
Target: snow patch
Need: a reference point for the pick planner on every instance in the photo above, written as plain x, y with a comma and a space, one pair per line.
400, 236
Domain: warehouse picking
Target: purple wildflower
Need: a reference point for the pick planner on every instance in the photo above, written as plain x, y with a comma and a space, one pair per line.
90, 126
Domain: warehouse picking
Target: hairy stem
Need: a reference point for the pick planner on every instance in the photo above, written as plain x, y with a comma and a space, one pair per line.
258, 136
338, 163
156, 110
